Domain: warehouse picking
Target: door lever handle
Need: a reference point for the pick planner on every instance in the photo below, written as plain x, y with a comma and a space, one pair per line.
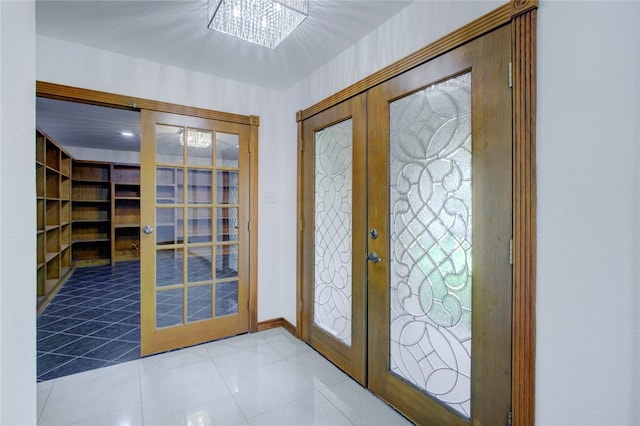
373, 257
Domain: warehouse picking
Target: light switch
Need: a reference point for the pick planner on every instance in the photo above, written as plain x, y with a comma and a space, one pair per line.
269, 197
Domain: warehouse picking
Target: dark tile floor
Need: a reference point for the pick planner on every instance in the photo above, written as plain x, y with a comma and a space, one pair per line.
94, 320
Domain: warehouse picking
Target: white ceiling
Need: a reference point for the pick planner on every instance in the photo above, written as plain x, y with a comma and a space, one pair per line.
88, 126
175, 33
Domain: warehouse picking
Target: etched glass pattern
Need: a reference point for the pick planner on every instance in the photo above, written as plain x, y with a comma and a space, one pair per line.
430, 245
332, 295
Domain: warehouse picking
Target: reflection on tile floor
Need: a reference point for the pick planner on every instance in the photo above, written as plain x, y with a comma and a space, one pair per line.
94, 321
266, 378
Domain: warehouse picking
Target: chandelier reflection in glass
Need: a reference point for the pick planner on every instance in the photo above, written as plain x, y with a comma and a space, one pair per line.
264, 22
197, 138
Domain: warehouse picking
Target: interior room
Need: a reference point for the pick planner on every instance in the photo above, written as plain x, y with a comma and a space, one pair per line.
98, 261
586, 174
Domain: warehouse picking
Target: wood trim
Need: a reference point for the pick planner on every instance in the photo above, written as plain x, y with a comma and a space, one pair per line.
275, 323
519, 7
44, 302
484, 24
299, 231
253, 217
94, 97
524, 217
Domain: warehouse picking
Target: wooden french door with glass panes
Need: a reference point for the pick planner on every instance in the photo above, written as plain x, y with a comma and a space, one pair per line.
334, 162
194, 243
432, 224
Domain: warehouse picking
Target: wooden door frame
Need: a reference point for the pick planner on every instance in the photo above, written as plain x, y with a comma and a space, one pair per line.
522, 16
94, 97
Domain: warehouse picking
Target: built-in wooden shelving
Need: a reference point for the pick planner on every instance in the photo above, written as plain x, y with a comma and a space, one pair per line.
53, 198
87, 213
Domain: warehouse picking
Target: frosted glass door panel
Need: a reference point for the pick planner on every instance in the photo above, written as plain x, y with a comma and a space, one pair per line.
333, 230
430, 244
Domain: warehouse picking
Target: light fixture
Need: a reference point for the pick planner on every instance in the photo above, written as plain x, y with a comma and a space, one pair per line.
264, 22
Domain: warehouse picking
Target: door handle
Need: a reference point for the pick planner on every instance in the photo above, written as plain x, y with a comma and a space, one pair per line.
373, 257
147, 229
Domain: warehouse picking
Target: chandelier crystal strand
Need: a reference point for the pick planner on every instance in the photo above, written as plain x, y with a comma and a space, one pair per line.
264, 22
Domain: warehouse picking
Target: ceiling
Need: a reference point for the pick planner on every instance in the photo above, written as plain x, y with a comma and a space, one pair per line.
175, 33
72, 124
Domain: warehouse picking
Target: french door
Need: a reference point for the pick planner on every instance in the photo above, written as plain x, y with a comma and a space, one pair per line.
432, 224
194, 245
334, 267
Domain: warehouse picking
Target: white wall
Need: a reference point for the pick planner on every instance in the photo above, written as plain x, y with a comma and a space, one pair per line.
17, 214
81, 66
588, 213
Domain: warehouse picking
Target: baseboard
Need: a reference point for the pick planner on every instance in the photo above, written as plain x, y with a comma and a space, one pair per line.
42, 303
277, 322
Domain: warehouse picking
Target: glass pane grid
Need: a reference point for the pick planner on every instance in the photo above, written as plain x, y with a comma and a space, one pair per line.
169, 308
199, 303
186, 180
226, 298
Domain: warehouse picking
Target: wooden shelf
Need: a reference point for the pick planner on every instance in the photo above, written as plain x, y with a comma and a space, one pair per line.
94, 231
40, 180
52, 155
40, 147
49, 256
126, 243
90, 191
127, 174
87, 212
40, 214
51, 284
125, 212
53, 190
89, 171
65, 164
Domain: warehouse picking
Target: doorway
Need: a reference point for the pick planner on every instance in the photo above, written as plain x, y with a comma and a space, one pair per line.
422, 256
90, 100
89, 290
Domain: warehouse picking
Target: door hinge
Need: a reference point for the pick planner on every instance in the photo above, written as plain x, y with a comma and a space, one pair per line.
510, 419
301, 225
249, 147
301, 145
249, 226
511, 251
510, 74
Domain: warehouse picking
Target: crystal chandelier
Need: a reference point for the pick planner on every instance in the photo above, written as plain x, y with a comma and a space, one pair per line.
264, 22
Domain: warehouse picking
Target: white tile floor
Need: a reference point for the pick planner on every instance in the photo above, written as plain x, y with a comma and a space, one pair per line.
266, 378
